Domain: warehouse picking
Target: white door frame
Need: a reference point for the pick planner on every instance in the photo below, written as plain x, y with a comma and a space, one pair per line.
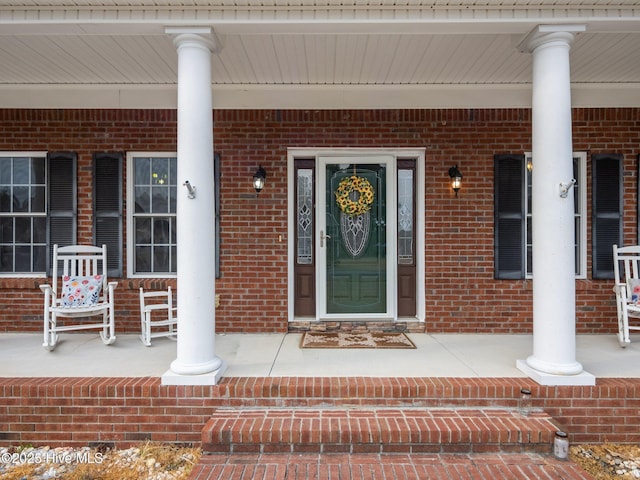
358, 154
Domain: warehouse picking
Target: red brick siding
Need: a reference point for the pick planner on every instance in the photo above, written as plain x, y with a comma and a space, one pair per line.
77, 411
253, 287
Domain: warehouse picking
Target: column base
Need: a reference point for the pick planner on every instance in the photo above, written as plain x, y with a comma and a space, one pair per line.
207, 379
549, 379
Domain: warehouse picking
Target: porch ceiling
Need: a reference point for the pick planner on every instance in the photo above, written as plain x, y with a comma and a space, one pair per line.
61, 52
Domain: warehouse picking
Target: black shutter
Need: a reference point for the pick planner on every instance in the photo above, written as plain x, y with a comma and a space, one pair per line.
107, 208
607, 212
509, 216
63, 205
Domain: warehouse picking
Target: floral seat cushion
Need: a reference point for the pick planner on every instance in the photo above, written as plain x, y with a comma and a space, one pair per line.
81, 291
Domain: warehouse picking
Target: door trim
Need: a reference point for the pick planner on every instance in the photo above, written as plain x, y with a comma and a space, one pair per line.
419, 155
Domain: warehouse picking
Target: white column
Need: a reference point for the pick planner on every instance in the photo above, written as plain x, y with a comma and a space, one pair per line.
553, 361
196, 362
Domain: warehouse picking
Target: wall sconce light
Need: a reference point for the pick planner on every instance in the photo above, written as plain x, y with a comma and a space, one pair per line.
456, 178
258, 179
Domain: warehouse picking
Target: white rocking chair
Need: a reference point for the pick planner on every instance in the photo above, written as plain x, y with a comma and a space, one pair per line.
154, 321
627, 290
80, 289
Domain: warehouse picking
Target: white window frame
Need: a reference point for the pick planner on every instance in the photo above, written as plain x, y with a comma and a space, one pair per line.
37, 154
131, 215
581, 240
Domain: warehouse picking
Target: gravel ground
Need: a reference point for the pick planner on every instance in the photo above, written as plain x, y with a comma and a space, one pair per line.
144, 462
608, 461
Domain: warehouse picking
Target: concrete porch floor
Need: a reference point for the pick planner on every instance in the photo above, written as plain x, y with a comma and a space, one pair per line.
279, 355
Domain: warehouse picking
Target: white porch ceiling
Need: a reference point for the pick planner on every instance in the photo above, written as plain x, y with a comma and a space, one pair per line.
311, 54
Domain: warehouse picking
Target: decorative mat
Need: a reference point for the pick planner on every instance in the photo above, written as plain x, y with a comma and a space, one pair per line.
355, 340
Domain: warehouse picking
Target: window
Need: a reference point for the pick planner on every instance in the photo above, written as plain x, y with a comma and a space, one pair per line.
513, 215
37, 209
151, 214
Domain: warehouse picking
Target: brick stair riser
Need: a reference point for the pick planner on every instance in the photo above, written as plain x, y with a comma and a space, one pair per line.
380, 431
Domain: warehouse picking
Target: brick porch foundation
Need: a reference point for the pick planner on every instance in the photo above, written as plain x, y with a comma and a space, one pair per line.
123, 411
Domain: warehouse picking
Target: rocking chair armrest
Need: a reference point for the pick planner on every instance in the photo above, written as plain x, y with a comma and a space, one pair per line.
111, 286
49, 294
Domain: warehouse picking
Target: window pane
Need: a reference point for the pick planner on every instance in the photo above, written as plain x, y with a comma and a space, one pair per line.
577, 249
5, 171
23, 230
173, 171
405, 217
172, 199
529, 189
39, 258
161, 259
576, 187
23, 259
304, 207
160, 199
160, 171
143, 199
40, 230
38, 195
142, 171
529, 245
6, 258
21, 171
173, 232
20, 199
143, 231
5, 198
143, 259
6, 229
38, 168
160, 231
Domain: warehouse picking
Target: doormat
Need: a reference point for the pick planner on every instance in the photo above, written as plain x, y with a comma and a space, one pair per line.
355, 340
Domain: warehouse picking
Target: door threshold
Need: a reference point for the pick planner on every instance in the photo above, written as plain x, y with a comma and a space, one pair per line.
312, 325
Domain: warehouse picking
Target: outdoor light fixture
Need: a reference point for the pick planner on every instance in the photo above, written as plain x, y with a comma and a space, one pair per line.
456, 178
258, 179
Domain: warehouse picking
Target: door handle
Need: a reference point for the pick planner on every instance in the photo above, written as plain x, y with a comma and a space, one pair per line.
323, 236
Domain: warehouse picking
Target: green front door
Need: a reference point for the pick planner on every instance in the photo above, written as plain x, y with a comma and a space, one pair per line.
354, 238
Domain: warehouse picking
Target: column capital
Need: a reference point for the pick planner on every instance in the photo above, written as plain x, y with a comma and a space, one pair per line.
203, 36
543, 34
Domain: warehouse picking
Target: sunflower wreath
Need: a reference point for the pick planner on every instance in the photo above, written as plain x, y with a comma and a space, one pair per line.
365, 198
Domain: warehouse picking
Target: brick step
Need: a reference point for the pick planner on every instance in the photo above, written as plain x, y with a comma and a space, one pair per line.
376, 430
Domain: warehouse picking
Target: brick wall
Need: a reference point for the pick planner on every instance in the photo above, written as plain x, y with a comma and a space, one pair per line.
461, 294
79, 411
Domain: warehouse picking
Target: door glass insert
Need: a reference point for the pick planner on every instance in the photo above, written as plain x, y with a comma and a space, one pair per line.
304, 213
405, 217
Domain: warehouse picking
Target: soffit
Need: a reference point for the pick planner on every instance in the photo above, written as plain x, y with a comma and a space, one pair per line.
311, 43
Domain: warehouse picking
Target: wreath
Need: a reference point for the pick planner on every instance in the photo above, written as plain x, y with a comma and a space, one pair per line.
364, 191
